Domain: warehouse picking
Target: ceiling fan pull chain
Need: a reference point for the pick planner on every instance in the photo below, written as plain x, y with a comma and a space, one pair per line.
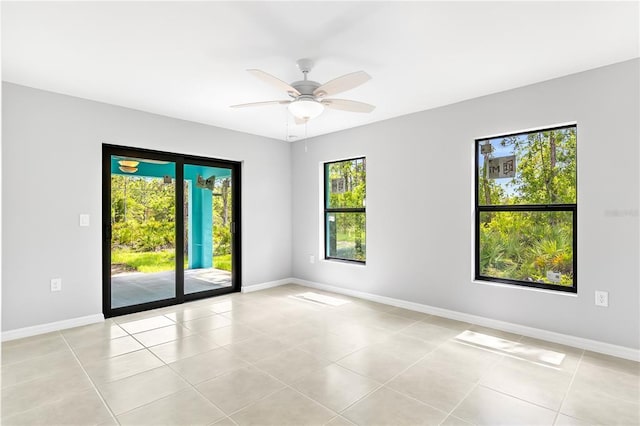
287, 135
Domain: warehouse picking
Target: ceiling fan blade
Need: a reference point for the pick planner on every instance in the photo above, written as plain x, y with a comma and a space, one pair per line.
274, 81
347, 105
342, 84
265, 103
142, 160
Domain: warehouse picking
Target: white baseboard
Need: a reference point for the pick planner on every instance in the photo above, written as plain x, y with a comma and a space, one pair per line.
551, 336
19, 333
268, 284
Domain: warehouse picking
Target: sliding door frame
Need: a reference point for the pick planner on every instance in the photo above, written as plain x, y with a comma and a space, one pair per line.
180, 160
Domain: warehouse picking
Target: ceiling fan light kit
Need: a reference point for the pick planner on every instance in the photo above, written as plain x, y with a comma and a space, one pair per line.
127, 169
306, 108
308, 96
129, 163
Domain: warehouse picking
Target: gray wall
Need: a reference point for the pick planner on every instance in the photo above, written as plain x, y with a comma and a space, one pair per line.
420, 205
51, 172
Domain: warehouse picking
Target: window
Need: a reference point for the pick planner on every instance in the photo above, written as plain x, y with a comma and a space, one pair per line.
344, 210
526, 209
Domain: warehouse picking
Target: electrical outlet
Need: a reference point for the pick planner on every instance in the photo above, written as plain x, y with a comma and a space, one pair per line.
84, 220
312, 259
602, 298
56, 284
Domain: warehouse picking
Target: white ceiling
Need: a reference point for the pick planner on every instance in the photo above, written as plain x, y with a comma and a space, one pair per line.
188, 60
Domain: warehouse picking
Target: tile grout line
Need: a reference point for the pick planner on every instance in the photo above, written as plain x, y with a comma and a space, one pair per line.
394, 333
413, 364
176, 392
473, 388
338, 413
383, 384
573, 377
466, 395
339, 416
505, 356
516, 397
145, 347
201, 394
250, 364
95, 388
192, 386
286, 385
182, 378
8, 387
557, 412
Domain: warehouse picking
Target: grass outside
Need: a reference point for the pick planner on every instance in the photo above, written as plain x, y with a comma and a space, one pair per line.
158, 261
222, 261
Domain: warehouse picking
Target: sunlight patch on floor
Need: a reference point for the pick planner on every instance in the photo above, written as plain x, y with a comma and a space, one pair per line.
514, 349
320, 298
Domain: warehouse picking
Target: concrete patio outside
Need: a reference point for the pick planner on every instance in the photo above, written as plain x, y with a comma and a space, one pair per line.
132, 288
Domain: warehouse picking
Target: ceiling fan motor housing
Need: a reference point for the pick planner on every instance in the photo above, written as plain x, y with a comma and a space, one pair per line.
305, 87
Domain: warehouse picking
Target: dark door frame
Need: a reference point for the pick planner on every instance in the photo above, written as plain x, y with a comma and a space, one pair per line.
180, 160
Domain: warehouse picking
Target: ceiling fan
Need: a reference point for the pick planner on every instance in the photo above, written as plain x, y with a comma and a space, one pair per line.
309, 98
130, 164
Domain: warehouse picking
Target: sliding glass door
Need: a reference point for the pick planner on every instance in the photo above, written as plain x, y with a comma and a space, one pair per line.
143, 229
208, 226
154, 253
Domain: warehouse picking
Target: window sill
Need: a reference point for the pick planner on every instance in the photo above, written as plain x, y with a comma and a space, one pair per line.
521, 287
344, 262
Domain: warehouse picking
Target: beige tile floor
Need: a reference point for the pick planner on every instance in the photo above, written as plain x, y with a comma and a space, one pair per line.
265, 358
